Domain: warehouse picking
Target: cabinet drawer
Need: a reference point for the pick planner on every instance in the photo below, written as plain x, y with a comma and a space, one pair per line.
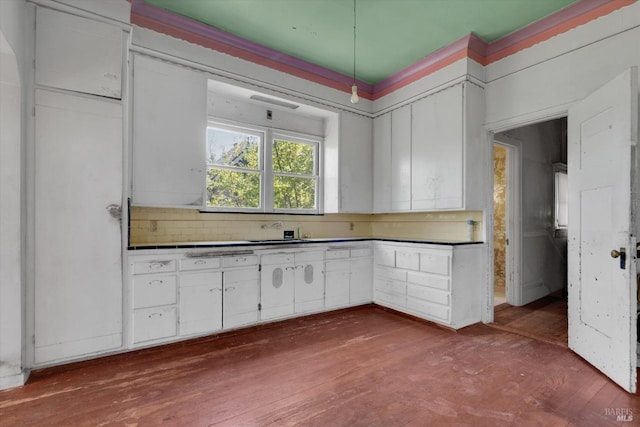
438, 282
389, 298
435, 311
391, 273
408, 260
199, 263
361, 252
309, 256
337, 266
150, 291
158, 266
154, 323
337, 253
271, 259
385, 256
391, 286
428, 294
239, 261
435, 263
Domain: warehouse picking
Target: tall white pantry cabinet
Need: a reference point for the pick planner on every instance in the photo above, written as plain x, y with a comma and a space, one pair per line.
78, 182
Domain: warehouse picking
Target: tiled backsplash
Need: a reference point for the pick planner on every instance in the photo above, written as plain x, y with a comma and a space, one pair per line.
160, 225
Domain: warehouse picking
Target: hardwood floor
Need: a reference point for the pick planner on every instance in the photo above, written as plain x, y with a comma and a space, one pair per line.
360, 367
544, 319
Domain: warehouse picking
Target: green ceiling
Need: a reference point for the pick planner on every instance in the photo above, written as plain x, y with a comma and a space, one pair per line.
391, 34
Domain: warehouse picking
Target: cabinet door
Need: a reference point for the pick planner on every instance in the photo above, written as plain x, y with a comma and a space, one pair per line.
169, 134
336, 284
382, 163
78, 54
78, 273
276, 290
361, 283
240, 297
356, 163
309, 286
437, 143
401, 159
200, 303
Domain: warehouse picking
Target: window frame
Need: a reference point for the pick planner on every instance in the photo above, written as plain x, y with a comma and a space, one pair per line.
267, 173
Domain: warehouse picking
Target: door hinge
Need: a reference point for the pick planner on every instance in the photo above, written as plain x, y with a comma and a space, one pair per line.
507, 241
259, 267
259, 307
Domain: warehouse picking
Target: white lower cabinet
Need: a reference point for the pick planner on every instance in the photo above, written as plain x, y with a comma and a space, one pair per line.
276, 285
291, 283
419, 280
348, 276
240, 297
200, 303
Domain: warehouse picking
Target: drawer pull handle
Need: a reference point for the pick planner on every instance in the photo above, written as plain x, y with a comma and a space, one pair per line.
156, 282
155, 314
214, 289
200, 262
230, 288
158, 264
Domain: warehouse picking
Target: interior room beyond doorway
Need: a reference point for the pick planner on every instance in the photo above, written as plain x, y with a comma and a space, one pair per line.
530, 248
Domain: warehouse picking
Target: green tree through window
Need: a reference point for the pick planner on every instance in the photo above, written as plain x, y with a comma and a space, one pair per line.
236, 175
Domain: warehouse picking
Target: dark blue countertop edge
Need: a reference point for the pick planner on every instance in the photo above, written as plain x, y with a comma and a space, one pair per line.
192, 245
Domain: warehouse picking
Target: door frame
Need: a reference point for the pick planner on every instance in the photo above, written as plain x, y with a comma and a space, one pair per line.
513, 225
488, 139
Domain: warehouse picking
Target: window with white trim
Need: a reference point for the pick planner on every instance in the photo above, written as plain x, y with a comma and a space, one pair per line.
259, 170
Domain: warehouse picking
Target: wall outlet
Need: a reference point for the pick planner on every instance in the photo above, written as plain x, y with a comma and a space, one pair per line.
288, 235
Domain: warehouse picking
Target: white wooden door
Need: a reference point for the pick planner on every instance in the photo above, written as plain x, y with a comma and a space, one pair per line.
309, 286
78, 264
240, 297
200, 303
401, 159
169, 134
276, 290
602, 136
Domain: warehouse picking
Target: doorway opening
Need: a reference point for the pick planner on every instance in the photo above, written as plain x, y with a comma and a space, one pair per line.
530, 239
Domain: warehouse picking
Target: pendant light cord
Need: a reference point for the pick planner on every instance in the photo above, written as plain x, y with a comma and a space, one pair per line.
354, 42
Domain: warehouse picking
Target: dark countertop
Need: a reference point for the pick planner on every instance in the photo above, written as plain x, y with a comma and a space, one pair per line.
225, 244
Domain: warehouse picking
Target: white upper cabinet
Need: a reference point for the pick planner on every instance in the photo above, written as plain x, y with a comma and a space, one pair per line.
348, 164
428, 154
381, 158
445, 132
169, 131
401, 159
78, 54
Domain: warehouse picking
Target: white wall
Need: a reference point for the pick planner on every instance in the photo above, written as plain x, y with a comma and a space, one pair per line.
12, 226
543, 256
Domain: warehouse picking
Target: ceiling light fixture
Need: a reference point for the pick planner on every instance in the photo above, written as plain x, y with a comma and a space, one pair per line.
273, 101
354, 88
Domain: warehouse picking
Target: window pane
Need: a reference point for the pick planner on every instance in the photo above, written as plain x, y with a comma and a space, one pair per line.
294, 193
562, 200
226, 188
235, 149
293, 157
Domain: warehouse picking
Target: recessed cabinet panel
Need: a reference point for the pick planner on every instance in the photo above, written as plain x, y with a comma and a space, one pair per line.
240, 297
78, 54
409, 260
429, 294
435, 263
401, 159
434, 281
150, 290
169, 134
154, 323
381, 159
437, 151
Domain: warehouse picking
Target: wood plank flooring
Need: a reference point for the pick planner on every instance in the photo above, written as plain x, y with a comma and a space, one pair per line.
359, 367
544, 319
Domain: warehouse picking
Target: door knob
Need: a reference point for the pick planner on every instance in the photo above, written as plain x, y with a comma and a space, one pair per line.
622, 254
